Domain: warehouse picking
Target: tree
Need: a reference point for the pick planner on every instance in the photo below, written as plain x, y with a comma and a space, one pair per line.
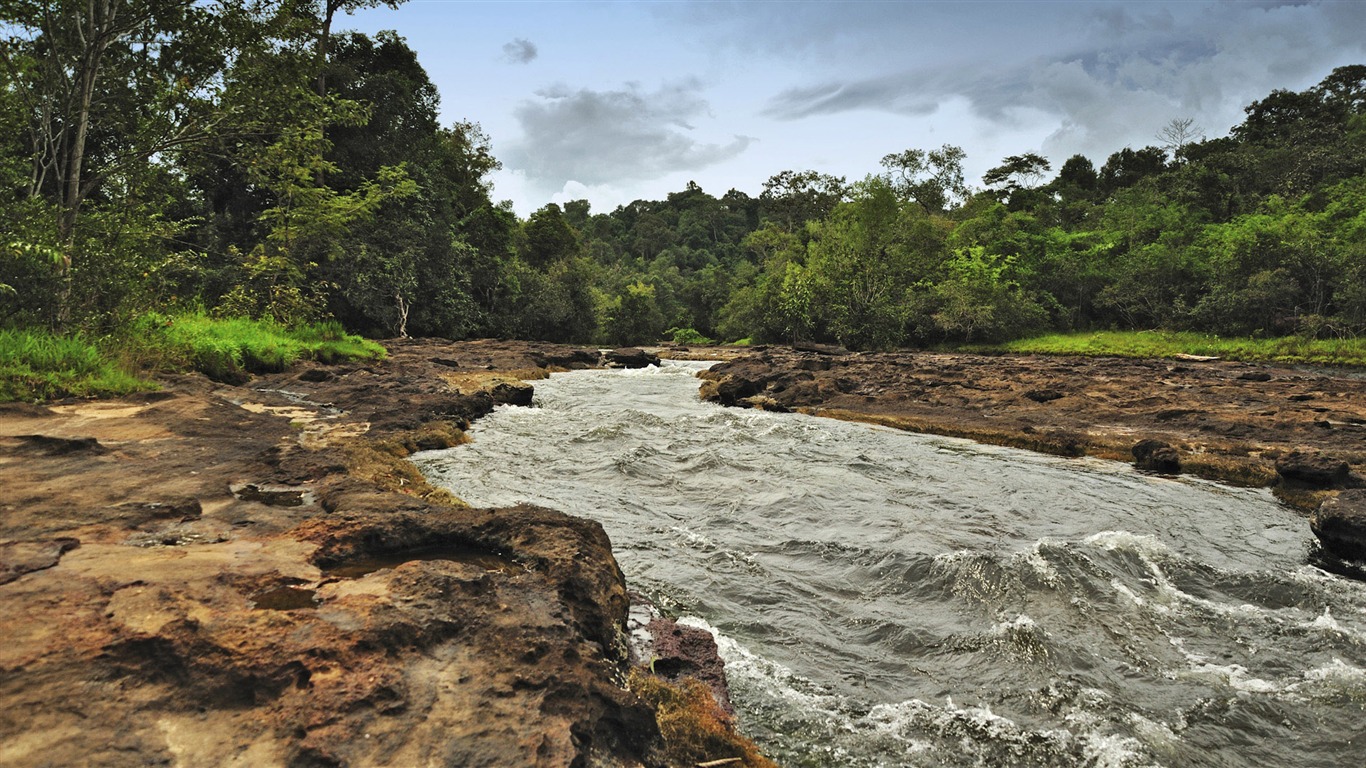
1177, 134
1017, 172
548, 237
933, 179
113, 86
1127, 167
792, 198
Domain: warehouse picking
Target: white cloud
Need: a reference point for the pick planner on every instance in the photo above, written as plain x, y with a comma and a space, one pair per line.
629, 134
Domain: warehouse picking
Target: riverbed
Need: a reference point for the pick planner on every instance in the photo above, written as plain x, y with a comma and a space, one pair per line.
890, 599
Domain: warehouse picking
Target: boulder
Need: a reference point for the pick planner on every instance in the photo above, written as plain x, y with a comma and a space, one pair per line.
630, 357
1156, 456
1340, 524
1314, 470
512, 393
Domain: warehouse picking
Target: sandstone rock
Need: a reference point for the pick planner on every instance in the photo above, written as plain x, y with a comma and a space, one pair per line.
630, 357
1313, 469
1043, 395
1156, 456
1340, 524
512, 393
764, 403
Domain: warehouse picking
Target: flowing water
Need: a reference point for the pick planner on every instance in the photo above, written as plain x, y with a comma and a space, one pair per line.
889, 599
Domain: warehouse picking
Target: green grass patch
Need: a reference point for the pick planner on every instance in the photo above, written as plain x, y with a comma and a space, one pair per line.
36, 365
229, 349
1289, 349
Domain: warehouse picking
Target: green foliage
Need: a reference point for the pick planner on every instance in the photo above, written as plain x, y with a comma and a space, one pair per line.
1287, 349
38, 365
688, 336
633, 316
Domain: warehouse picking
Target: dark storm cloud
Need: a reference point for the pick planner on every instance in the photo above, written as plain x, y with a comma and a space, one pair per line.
520, 51
595, 137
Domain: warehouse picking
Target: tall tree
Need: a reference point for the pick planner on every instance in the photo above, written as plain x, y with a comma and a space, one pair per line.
932, 179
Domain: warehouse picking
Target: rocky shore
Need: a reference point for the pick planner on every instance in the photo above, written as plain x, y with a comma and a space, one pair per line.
253, 575
1302, 432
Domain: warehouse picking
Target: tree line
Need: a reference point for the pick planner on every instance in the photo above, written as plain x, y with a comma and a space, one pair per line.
240, 158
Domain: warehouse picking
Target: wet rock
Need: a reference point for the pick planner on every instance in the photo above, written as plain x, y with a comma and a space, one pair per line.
1156, 456
446, 361
630, 357
1255, 376
675, 651
317, 375
1340, 524
764, 403
512, 393
1313, 469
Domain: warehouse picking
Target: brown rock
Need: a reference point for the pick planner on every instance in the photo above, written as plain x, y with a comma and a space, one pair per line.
1340, 524
1156, 456
630, 357
1313, 469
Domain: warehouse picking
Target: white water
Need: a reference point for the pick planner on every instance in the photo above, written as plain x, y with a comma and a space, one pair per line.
887, 599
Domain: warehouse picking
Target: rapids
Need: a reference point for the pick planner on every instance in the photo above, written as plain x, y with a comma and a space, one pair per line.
891, 599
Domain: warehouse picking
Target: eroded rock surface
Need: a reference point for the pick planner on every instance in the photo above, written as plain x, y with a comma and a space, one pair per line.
245, 575
1225, 420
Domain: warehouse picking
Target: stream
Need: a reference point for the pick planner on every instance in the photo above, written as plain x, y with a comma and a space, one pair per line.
891, 599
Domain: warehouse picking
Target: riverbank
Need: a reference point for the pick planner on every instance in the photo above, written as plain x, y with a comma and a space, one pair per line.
215, 574
1239, 423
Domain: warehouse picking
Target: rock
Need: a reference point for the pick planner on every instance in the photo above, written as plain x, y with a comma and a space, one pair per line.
820, 349
1313, 469
1156, 456
512, 393
765, 403
1043, 395
1255, 376
681, 651
272, 495
1340, 524
630, 357
316, 375
20, 557
46, 445
675, 651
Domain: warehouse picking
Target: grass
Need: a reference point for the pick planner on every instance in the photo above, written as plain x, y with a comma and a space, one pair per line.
1289, 349
694, 729
229, 349
37, 365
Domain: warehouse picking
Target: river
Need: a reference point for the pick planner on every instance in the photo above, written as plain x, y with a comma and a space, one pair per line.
890, 599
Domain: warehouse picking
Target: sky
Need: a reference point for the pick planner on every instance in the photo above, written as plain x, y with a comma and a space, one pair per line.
618, 101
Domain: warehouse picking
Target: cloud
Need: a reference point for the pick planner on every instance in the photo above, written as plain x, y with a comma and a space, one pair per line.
595, 137
1120, 73
520, 51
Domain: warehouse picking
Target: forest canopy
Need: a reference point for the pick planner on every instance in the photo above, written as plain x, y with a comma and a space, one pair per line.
239, 158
